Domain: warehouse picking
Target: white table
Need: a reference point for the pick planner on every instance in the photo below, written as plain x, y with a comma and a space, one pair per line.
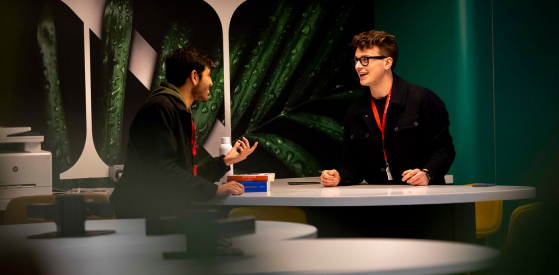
83, 255
441, 212
271, 250
355, 256
282, 194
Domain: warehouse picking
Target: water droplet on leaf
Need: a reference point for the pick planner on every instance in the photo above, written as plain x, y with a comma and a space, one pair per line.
306, 30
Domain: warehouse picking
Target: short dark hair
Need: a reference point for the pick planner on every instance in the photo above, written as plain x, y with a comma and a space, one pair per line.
384, 41
181, 62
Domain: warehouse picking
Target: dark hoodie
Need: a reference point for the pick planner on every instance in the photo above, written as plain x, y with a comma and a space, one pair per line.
158, 178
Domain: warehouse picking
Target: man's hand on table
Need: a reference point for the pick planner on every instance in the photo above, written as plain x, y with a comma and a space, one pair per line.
415, 177
330, 178
239, 152
230, 188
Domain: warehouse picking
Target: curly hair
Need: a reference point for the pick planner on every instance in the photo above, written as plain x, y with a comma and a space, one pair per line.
181, 62
384, 41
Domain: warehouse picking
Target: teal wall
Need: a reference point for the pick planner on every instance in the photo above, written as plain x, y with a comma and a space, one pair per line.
446, 47
496, 66
526, 98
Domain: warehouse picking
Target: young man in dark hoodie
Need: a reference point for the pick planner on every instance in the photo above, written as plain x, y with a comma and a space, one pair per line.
160, 177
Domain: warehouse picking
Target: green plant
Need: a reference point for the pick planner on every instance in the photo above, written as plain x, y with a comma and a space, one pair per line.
312, 78
56, 121
265, 50
116, 36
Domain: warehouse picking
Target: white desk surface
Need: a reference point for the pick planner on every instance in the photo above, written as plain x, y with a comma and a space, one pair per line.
282, 194
129, 251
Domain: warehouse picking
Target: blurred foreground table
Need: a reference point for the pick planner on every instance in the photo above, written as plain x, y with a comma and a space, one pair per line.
276, 248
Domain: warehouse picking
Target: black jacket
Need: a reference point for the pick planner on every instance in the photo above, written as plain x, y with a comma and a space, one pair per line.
416, 136
158, 175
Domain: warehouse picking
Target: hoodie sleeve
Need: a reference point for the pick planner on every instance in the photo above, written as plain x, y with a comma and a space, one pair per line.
152, 136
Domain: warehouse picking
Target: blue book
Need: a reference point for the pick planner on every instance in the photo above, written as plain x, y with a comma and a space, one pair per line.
255, 186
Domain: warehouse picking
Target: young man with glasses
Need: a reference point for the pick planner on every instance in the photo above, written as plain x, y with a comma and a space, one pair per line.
397, 132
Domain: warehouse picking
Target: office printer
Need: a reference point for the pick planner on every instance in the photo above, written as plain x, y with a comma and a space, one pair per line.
25, 169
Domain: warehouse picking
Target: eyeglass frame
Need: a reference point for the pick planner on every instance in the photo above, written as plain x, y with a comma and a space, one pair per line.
360, 59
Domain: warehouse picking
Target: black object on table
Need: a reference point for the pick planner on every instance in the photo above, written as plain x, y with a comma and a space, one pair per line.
203, 233
69, 213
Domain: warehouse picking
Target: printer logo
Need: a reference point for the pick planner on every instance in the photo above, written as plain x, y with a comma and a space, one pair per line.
15, 169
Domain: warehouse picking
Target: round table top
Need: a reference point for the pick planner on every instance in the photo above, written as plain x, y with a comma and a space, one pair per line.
353, 256
85, 255
275, 248
283, 194
133, 229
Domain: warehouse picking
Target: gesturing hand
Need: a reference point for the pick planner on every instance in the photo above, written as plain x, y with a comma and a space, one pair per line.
415, 177
240, 152
330, 178
230, 188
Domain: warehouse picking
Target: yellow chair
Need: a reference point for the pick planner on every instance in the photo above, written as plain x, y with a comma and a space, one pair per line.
489, 215
271, 213
16, 210
517, 219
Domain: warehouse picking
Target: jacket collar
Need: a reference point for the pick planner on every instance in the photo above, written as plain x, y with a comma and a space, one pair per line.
398, 96
399, 91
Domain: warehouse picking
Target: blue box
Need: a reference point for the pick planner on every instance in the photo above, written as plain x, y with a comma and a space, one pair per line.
255, 186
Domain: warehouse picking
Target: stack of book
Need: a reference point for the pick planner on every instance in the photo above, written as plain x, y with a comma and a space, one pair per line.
254, 182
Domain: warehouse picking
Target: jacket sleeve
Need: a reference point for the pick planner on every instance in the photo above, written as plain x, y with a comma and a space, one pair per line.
156, 143
213, 169
349, 172
439, 141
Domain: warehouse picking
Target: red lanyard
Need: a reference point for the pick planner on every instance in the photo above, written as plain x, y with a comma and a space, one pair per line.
381, 126
194, 144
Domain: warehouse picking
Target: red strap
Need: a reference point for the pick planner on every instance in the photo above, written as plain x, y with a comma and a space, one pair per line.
194, 144
381, 126
193, 139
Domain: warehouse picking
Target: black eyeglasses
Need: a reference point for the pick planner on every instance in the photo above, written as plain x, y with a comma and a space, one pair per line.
365, 59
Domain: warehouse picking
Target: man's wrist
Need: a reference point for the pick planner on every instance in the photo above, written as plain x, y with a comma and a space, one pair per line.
427, 174
227, 162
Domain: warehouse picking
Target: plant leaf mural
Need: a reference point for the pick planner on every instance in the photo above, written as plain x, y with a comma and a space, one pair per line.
289, 60
320, 58
297, 159
56, 121
264, 52
325, 125
116, 37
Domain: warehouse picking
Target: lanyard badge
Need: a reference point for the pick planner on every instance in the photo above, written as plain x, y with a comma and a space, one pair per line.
381, 126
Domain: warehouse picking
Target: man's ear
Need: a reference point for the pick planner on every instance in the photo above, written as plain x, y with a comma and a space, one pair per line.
388, 64
194, 77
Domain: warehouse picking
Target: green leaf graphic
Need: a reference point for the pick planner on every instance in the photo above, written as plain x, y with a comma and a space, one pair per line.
328, 126
56, 121
320, 58
289, 60
347, 95
266, 48
289, 153
116, 36
239, 51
